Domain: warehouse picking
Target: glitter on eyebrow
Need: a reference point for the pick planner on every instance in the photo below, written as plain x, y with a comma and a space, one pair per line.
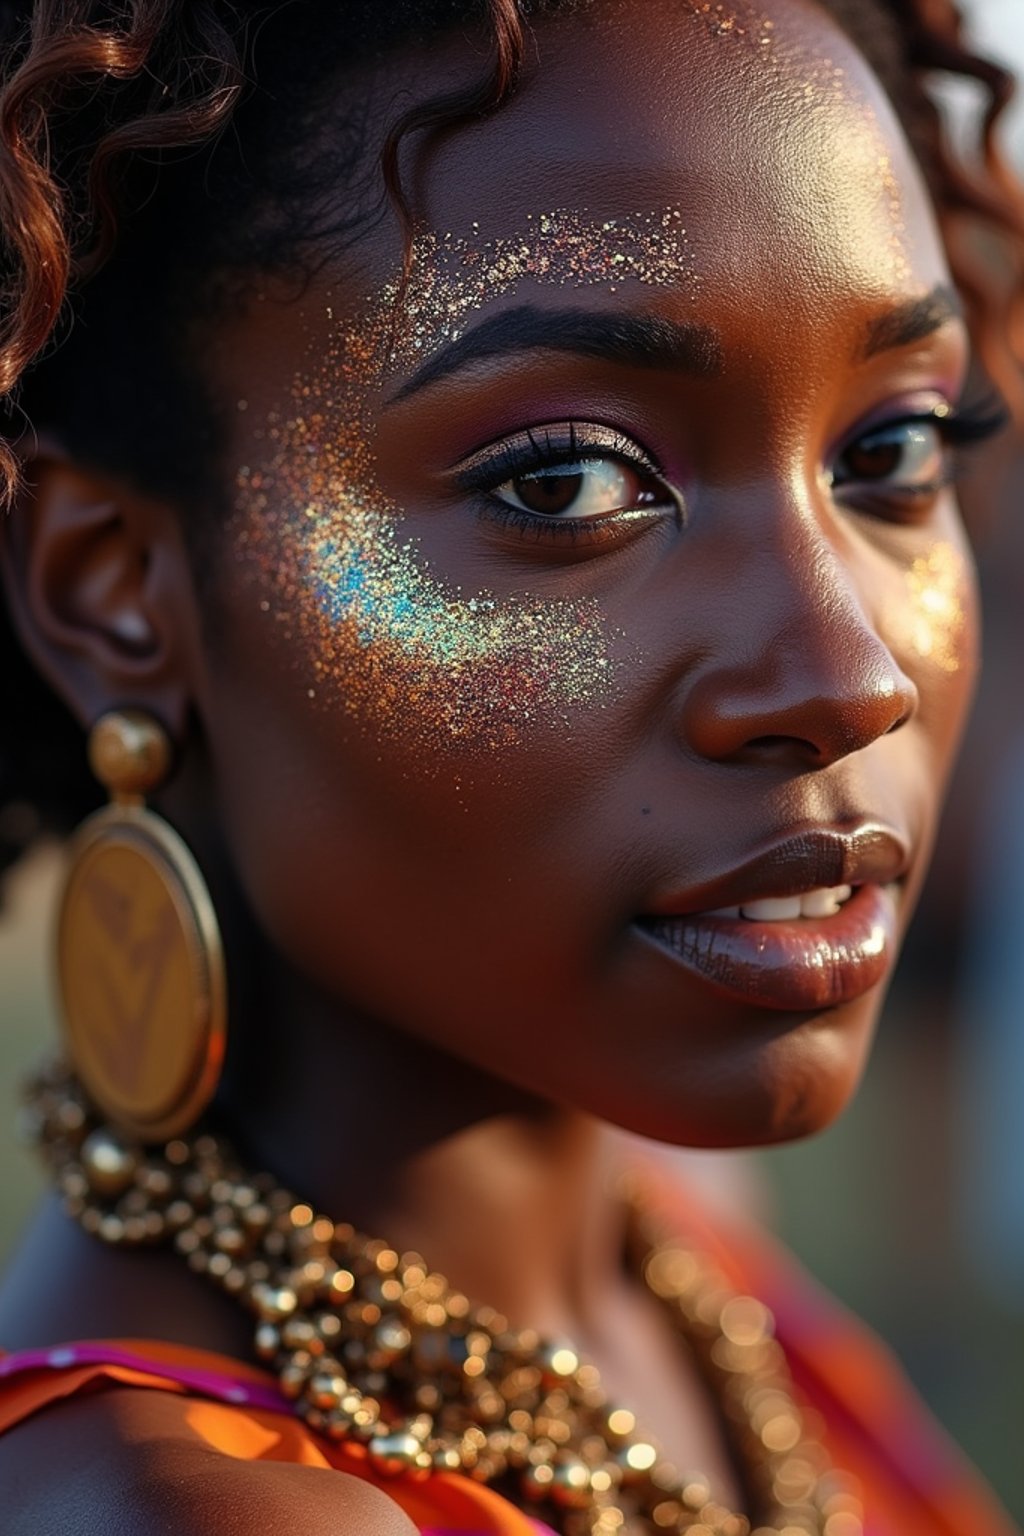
451, 277
390, 643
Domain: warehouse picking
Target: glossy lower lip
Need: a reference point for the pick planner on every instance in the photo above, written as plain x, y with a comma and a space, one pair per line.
797, 967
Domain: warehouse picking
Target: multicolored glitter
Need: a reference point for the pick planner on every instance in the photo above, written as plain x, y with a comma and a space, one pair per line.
398, 648
451, 277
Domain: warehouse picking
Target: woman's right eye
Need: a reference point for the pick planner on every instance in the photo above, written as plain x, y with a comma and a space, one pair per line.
581, 480
597, 486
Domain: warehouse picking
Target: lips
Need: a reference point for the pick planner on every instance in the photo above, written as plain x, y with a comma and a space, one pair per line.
805, 943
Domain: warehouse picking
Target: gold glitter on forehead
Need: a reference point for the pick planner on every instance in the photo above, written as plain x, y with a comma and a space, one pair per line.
452, 277
739, 22
934, 618
384, 637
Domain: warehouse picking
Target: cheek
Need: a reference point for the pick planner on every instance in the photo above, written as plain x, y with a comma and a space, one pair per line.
393, 630
932, 625
410, 656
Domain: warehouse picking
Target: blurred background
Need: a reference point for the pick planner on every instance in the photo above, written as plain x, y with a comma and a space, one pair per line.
911, 1209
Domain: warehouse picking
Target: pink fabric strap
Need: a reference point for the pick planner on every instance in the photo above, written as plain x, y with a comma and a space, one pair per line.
212, 1384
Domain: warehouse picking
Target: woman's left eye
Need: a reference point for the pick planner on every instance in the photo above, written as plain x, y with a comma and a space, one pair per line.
581, 489
909, 457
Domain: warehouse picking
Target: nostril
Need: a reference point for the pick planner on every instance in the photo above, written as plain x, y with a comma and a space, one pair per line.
901, 720
782, 747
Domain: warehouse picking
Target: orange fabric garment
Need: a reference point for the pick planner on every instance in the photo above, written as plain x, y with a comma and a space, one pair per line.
443, 1506
915, 1483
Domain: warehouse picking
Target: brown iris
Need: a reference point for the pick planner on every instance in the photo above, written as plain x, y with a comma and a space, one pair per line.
588, 488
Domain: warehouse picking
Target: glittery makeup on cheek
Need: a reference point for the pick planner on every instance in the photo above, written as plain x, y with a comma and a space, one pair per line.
936, 618
384, 637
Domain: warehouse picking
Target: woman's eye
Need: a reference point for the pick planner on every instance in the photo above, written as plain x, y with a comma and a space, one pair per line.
583, 488
909, 456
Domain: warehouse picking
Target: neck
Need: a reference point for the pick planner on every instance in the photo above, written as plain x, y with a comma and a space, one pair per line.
510, 1198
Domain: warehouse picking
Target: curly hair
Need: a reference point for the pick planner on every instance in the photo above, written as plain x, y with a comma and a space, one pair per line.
141, 161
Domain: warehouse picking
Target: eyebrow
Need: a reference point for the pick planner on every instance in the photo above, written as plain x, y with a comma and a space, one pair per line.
649, 341
912, 321
641, 341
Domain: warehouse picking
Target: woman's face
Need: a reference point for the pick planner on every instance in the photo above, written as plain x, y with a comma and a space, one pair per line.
609, 586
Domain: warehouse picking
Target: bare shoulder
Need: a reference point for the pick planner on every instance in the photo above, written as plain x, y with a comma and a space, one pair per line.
126, 1463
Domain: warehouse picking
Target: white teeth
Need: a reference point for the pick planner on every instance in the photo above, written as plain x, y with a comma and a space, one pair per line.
725, 912
823, 902
772, 909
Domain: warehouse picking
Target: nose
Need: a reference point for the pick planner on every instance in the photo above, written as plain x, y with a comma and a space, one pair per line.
808, 679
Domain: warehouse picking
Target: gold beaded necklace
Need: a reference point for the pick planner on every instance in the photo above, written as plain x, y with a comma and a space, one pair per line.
371, 1346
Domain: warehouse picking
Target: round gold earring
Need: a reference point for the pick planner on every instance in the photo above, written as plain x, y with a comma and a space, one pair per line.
139, 956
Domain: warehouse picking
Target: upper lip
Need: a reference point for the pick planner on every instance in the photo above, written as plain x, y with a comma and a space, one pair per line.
816, 857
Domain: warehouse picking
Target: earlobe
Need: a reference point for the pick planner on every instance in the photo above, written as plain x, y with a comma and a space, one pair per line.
90, 579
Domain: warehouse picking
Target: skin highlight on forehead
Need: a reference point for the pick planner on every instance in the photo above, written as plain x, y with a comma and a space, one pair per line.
334, 559
831, 94
827, 167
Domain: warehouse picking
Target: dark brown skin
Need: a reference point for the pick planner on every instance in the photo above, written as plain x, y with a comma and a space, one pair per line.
438, 998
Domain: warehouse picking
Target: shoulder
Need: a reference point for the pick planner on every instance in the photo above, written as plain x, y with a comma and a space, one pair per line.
125, 1461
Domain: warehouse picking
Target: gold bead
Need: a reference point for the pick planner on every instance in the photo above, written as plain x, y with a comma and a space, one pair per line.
393, 1454
559, 1363
621, 1423
746, 1321
292, 1378
155, 1181
340, 1285
570, 1485
537, 1481
637, 1460
268, 1341
107, 1163
129, 752
326, 1390
390, 1340
274, 1303
608, 1522
299, 1333
231, 1240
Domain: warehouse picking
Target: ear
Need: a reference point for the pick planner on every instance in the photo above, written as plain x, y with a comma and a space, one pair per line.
99, 590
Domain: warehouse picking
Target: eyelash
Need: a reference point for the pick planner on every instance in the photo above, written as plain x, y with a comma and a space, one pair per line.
547, 448
959, 429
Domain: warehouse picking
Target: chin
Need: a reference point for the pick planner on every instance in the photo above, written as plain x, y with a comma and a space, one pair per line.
759, 1094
